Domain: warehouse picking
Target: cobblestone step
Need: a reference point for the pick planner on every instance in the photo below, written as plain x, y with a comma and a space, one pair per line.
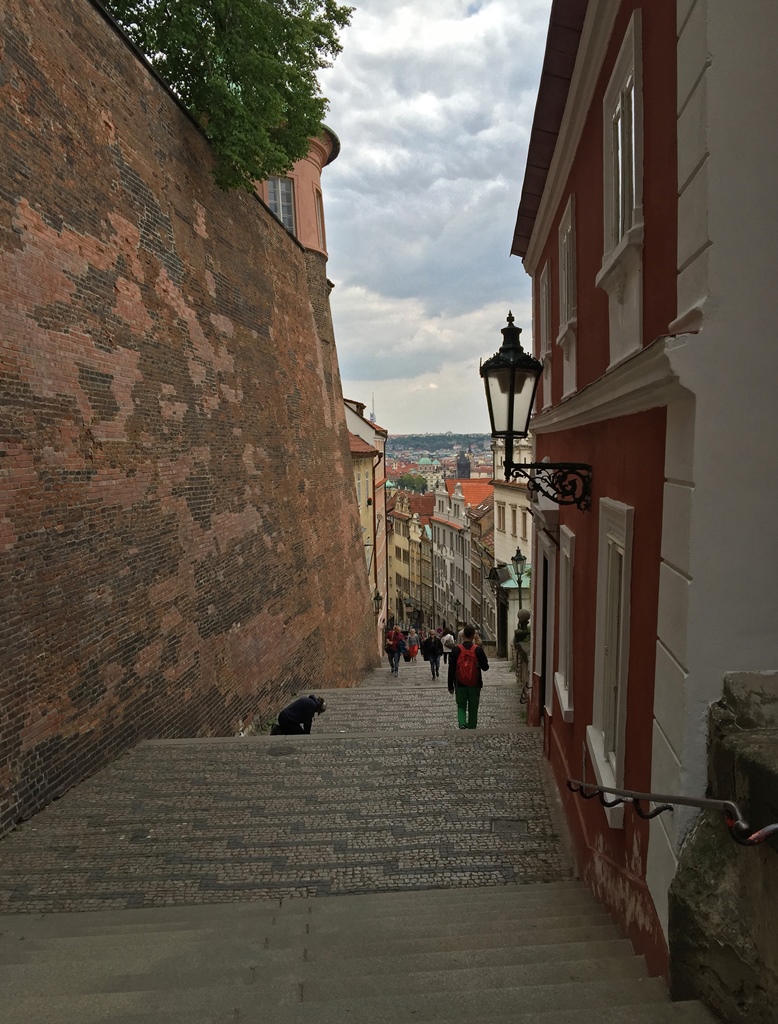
318, 981
365, 945
216, 1003
419, 926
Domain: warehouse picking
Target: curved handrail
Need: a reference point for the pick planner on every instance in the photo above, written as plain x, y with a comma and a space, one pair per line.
738, 827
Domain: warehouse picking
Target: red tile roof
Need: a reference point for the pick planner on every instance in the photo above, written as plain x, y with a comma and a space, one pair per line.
424, 504
474, 491
359, 446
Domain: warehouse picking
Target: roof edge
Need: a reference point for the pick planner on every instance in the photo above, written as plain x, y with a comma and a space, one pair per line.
564, 35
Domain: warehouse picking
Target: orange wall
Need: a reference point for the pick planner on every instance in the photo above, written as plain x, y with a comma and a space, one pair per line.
306, 178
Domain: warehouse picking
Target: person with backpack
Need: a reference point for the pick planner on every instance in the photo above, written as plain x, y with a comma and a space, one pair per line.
465, 667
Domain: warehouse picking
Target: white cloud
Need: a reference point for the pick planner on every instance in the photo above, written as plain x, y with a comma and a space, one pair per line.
433, 104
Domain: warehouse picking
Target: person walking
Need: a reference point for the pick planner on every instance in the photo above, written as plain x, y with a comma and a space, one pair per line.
449, 643
395, 644
431, 649
465, 667
413, 644
297, 718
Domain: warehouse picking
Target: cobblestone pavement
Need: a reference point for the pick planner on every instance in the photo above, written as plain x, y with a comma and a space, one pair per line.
414, 700
379, 808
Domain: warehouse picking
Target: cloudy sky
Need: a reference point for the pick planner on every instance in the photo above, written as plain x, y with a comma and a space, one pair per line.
433, 102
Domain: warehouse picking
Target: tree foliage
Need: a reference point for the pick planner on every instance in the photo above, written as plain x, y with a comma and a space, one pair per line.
413, 482
246, 69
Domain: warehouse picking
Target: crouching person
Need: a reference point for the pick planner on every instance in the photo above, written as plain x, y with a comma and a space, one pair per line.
297, 718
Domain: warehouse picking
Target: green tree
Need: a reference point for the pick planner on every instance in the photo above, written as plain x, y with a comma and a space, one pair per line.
412, 482
246, 69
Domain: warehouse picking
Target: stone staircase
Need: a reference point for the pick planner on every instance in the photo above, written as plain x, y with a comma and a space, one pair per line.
355, 876
528, 954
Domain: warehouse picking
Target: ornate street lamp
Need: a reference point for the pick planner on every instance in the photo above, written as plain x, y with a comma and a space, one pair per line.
378, 600
519, 563
511, 379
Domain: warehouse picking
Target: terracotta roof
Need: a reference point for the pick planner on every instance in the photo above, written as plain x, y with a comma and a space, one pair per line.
479, 511
359, 446
474, 491
424, 504
447, 522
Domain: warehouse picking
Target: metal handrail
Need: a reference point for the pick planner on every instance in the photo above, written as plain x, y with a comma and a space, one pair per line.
738, 827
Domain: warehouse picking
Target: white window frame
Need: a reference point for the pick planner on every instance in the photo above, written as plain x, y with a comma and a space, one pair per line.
544, 332
563, 677
500, 509
622, 114
622, 131
546, 549
282, 205
322, 234
568, 308
615, 534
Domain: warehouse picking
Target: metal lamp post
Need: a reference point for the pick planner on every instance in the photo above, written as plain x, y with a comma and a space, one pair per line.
511, 379
519, 564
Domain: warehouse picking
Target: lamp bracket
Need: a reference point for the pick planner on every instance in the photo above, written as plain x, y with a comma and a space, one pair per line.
566, 483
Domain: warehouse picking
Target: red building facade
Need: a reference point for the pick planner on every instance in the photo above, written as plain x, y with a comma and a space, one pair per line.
597, 231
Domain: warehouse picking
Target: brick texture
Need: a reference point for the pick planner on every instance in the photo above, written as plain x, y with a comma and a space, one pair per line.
179, 542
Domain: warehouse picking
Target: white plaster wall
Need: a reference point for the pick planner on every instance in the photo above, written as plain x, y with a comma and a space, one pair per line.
718, 603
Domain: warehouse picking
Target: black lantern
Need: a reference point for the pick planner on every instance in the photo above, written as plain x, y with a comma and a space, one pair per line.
511, 379
519, 562
378, 600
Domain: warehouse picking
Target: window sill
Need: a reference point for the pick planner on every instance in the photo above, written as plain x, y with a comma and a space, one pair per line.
563, 696
615, 265
567, 333
604, 774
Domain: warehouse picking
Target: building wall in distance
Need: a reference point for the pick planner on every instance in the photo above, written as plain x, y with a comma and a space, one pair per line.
178, 536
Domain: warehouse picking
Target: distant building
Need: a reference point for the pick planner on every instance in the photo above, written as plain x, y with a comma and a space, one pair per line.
366, 437
463, 466
451, 536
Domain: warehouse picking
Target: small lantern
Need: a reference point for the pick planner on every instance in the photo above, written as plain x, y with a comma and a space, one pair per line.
378, 600
519, 563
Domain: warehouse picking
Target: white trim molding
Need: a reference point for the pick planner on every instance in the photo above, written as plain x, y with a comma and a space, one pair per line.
563, 677
546, 548
544, 333
606, 736
621, 274
643, 381
568, 308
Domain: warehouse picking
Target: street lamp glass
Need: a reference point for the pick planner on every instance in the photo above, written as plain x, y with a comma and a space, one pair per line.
511, 378
519, 562
510, 392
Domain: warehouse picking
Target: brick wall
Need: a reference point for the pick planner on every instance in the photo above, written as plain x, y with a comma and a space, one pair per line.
179, 542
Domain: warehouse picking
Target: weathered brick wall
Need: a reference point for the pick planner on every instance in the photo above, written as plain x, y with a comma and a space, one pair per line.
179, 543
